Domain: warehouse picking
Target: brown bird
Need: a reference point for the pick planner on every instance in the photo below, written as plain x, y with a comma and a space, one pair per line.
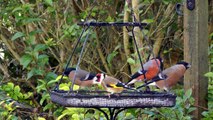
84, 78
172, 75
113, 85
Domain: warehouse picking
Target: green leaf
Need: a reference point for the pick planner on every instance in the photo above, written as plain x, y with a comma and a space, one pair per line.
209, 75
64, 86
64, 113
205, 113
25, 60
191, 109
42, 60
131, 61
111, 56
211, 36
48, 106
75, 116
49, 2
148, 21
16, 9
17, 90
10, 85
50, 76
30, 74
41, 85
40, 47
17, 35
27, 95
33, 72
44, 97
188, 93
64, 77
51, 82
38, 72
35, 32
31, 40
30, 20
41, 118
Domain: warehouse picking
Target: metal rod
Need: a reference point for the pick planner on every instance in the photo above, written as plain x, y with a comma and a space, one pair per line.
70, 58
79, 60
120, 24
111, 113
133, 35
105, 114
116, 114
153, 80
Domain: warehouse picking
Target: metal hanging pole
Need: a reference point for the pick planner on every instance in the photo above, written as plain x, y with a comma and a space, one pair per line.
79, 59
139, 56
70, 58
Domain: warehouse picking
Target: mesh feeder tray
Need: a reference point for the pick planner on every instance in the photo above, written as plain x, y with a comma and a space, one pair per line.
100, 99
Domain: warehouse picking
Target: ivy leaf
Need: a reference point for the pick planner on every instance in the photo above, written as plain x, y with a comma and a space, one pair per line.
25, 60
17, 35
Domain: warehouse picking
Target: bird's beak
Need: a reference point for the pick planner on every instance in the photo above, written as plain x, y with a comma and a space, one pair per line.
189, 65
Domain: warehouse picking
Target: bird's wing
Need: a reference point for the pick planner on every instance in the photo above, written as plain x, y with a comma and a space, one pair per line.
81, 73
89, 76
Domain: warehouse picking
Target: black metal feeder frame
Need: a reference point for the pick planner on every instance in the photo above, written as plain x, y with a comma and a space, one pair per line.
100, 99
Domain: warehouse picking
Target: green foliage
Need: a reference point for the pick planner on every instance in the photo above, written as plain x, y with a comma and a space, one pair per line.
209, 114
14, 91
181, 111
6, 112
17, 35
43, 33
131, 61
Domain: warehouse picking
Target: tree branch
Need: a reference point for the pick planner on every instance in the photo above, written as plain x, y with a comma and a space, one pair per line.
6, 42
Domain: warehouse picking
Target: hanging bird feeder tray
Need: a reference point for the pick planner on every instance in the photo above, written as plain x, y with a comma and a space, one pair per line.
100, 99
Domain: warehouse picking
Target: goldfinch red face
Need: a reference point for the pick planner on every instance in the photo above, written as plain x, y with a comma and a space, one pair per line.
99, 78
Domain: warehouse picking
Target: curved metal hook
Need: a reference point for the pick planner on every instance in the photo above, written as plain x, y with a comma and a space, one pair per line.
178, 9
